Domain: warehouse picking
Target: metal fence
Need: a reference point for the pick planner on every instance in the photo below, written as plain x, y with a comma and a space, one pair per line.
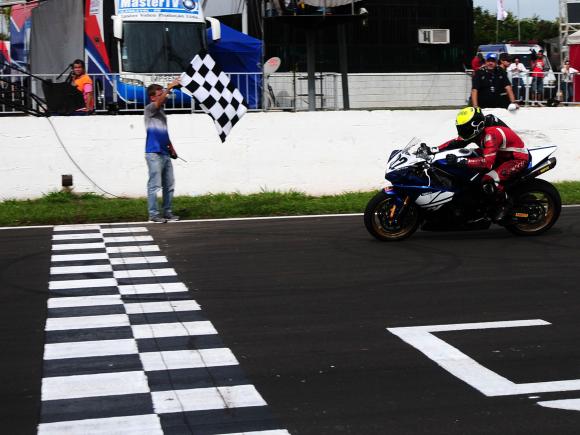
113, 93
554, 89
127, 93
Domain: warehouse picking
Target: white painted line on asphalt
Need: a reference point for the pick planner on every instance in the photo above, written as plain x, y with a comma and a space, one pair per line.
138, 260
256, 218
470, 326
82, 283
102, 384
131, 249
65, 270
84, 349
78, 246
125, 239
86, 322
126, 425
161, 307
568, 404
200, 399
76, 227
79, 257
84, 301
159, 330
144, 273
187, 359
75, 236
142, 289
123, 230
469, 370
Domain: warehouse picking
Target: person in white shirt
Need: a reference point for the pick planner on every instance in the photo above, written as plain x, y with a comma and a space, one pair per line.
517, 71
567, 83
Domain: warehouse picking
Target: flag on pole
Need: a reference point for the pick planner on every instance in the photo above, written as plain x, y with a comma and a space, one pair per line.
501, 12
217, 96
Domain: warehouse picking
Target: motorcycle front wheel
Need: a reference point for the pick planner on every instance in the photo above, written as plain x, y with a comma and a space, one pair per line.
388, 221
541, 202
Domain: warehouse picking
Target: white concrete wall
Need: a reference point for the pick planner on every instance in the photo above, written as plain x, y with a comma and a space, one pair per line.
317, 152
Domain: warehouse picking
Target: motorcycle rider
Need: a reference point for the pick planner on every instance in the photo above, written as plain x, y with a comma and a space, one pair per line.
502, 153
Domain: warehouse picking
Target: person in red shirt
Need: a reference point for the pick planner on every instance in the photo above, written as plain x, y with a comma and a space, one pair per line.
502, 153
539, 67
477, 62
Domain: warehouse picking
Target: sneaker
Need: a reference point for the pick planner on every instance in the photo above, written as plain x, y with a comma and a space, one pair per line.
157, 219
170, 217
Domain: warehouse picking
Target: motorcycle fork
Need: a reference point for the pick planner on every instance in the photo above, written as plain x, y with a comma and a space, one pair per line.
395, 215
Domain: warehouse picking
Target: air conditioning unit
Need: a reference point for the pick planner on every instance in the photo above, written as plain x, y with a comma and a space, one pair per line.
434, 36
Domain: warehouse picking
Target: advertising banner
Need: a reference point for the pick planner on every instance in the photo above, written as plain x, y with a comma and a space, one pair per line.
154, 10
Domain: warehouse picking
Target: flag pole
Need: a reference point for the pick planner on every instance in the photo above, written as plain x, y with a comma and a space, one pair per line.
519, 30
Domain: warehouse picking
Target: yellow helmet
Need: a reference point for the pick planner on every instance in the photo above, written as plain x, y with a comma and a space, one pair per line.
469, 122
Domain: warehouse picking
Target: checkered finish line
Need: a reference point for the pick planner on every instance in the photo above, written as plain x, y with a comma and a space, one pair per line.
128, 351
213, 90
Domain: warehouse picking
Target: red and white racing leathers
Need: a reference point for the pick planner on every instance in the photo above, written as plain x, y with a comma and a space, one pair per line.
503, 154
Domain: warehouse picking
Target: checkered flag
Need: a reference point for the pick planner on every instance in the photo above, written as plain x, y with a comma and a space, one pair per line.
212, 89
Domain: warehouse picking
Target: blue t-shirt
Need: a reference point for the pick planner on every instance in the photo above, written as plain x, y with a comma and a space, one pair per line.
156, 126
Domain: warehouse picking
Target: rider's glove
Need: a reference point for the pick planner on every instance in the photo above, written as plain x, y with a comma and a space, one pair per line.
427, 149
454, 161
513, 107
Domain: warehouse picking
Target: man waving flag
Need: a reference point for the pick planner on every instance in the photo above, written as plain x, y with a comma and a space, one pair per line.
212, 89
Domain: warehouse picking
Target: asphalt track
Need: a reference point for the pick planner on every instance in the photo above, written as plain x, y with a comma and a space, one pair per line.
305, 304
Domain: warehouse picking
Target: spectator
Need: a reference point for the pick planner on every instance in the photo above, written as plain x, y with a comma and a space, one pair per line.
504, 61
84, 85
491, 86
518, 72
158, 152
567, 83
477, 62
539, 67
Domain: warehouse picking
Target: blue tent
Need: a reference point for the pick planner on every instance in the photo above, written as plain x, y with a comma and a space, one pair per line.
237, 52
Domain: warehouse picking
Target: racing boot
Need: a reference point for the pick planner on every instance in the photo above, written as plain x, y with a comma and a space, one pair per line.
503, 208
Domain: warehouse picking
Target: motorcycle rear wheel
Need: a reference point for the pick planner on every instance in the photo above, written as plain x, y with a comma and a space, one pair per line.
541, 196
376, 218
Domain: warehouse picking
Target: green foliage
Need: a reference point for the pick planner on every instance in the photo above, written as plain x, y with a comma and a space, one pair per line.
70, 208
532, 29
5, 16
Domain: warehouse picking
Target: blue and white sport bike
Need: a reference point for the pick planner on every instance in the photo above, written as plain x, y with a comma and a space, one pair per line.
429, 193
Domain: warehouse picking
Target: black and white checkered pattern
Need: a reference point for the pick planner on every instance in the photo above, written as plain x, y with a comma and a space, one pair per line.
211, 87
128, 351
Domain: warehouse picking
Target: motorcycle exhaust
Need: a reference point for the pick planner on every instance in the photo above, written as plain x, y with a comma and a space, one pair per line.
549, 164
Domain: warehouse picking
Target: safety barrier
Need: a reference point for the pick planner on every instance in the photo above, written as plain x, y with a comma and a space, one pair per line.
553, 89
126, 93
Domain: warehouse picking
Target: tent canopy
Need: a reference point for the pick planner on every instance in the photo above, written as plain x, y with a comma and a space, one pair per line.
574, 38
237, 52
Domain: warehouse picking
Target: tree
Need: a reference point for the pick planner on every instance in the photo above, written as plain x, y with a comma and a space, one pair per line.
532, 29
5, 19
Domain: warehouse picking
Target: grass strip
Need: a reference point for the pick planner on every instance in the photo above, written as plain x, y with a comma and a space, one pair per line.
70, 208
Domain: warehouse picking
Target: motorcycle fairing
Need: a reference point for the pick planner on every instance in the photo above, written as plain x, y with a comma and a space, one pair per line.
539, 154
434, 200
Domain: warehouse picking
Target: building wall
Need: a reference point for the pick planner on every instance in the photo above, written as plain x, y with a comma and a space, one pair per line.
373, 91
313, 152
387, 42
